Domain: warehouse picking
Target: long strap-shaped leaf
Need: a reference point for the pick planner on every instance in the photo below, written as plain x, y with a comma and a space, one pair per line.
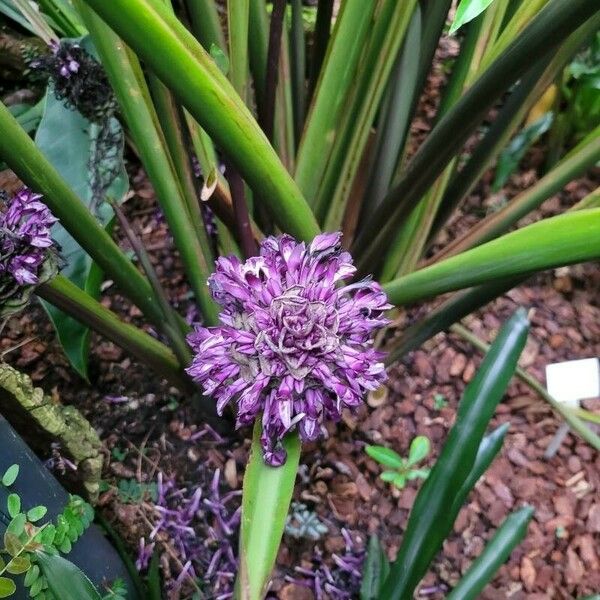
562, 240
439, 499
186, 68
24, 158
495, 553
544, 33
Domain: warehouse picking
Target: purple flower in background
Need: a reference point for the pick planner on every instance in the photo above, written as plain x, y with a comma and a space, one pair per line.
26, 248
293, 344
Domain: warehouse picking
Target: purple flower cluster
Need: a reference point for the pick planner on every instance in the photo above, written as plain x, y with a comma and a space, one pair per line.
293, 342
26, 248
342, 580
201, 531
66, 65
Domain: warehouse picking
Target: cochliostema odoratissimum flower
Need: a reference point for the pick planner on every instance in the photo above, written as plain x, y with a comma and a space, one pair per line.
27, 253
294, 344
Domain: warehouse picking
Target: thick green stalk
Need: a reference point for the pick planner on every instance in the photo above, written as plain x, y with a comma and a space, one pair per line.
494, 555
585, 156
22, 156
75, 302
326, 110
185, 67
126, 77
385, 43
64, 16
543, 35
237, 23
266, 500
563, 240
206, 25
562, 410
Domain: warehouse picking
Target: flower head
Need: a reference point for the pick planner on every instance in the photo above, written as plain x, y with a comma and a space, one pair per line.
78, 79
293, 343
27, 255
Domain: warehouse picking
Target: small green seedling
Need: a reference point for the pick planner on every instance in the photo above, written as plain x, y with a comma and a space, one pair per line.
439, 402
401, 469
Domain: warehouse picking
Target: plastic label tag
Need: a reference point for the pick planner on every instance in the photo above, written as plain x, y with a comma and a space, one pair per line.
573, 380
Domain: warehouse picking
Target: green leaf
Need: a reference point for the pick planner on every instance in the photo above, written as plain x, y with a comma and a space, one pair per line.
13, 504
418, 474
419, 449
385, 456
65, 580
220, 58
267, 493
438, 500
10, 475
400, 480
31, 576
563, 240
495, 553
388, 476
375, 570
36, 513
69, 142
511, 156
7, 587
48, 534
467, 10
18, 565
17, 524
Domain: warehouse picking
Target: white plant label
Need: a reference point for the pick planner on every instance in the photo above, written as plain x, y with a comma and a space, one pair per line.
573, 380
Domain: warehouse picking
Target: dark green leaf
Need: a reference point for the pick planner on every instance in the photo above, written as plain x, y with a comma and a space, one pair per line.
13, 504
431, 518
511, 156
419, 449
495, 553
36, 513
374, 570
467, 10
68, 141
65, 580
7, 587
10, 475
385, 456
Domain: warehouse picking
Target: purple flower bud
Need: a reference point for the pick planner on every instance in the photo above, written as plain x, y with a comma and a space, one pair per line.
292, 344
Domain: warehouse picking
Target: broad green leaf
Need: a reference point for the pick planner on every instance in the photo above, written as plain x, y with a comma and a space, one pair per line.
385, 456
13, 504
65, 580
17, 524
495, 553
36, 513
267, 493
467, 10
511, 156
10, 475
31, 576
419, 449
68, 141
375, 570
440, 497
18, 565
563, 240
7, 587
400, 480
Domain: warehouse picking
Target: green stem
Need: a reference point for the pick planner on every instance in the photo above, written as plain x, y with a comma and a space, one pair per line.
570, 416
184, 66
20, 153
206, 25
127, 79
67, 297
